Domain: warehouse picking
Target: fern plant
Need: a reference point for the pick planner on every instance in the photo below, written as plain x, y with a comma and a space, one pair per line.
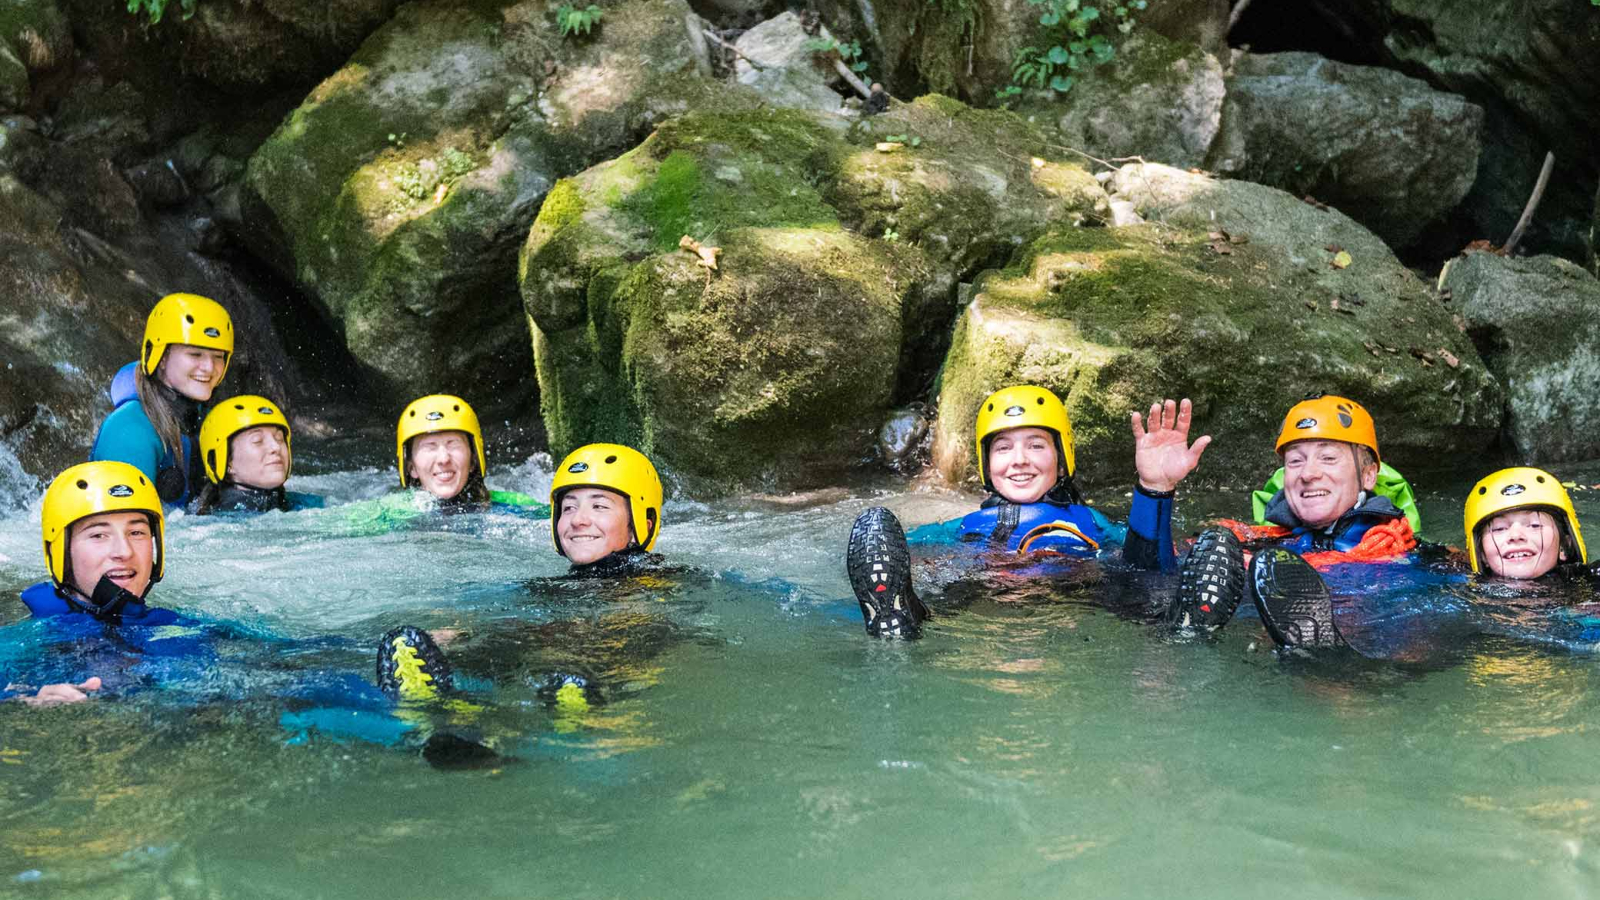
155, 9
1079, 35
575, 21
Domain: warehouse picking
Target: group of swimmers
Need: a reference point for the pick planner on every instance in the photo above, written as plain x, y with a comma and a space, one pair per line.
1333, 502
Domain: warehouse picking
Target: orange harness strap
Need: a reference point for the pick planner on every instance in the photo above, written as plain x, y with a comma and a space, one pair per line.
1390, 540
1247, 533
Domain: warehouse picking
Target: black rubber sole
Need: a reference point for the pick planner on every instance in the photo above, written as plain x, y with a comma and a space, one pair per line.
411, 666
1210, 583
879, 565
1293, 600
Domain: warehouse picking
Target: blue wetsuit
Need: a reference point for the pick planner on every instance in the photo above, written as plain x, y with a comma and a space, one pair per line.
128, 436
1070, 529
1343, 535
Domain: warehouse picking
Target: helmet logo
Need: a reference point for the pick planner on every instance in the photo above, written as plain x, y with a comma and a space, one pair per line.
265, 410
120, 490
1013, 410
1511, 490
212, 332
434, 416
578, 467
1307, 422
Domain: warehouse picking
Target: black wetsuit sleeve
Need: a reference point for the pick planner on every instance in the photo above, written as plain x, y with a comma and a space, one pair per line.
1149, 541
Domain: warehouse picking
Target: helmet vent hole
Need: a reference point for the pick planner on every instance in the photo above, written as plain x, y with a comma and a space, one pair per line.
455, 407
189, 319
238, 406
1539, 478
1039, 400
1483, 490
83, 485
610, 460
991, 407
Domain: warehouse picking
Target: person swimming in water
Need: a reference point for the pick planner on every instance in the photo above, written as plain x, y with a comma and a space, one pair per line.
440, 452
1026, 460
245, 448
159, 400
1334, 501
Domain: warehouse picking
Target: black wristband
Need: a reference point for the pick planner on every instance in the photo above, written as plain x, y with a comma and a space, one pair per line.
1154, 495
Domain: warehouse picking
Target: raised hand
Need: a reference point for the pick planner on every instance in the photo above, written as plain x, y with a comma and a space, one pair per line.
1162, 452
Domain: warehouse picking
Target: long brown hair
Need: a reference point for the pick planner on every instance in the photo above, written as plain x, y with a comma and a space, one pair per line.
158, 409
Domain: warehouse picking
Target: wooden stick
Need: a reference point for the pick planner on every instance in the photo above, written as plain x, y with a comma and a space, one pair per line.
753, 64
1533, 204
1238, 11
844, 70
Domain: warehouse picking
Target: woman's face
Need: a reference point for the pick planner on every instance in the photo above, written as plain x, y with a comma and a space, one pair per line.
259, 457
119, 545
1023, 466
193, 371
441, 462
592, 523
1522, 543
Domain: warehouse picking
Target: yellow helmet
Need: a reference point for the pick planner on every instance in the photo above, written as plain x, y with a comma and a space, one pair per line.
89, 489
1327, 417
1023, 406
614, 467
186, 319
230, 417
1521, 487
431, 415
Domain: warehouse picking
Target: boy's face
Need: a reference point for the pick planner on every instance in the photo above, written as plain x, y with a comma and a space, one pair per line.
119, 545
441, 462
592, 523
1522, 543
1321, 481
1023, 466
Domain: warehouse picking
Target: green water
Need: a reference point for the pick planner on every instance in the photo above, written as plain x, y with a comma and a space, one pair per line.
755, 743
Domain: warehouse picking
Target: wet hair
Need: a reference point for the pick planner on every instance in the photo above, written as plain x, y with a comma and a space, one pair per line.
1569, 543
159, 402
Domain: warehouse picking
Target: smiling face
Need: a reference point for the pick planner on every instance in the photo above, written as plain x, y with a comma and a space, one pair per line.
118, 545
592, 523
1522, 543
441, 462
259, 457
192, 371
1023, 465
1321, 480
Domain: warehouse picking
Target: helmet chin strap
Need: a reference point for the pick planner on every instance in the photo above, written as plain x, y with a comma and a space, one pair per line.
107, 602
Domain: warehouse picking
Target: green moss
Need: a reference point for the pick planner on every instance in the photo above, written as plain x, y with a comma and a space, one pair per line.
563, 205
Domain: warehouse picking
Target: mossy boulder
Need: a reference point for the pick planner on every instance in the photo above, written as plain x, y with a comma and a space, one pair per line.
836, 277
34, 38
1537, 323
1386, 149
403, 185
1245, 314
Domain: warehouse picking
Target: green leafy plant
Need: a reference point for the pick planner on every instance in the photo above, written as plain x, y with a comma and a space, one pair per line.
575, 21
155, 9
890, 235
850, 53
1079, 39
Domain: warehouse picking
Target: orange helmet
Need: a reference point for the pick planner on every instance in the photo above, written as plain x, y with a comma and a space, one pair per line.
1329, 417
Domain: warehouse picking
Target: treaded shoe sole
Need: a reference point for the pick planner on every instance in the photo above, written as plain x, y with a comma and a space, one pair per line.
1210, 584
411, 666
879, 565
1293, 600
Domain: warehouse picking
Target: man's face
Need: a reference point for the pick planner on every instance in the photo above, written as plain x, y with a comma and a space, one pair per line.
441, 462
259, 457
1023, 466
1321, 481
1522, 543
119, 545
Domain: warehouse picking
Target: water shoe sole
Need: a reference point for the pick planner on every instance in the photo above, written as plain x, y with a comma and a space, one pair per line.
1292, 599
1210, 584
411, 667
879, 565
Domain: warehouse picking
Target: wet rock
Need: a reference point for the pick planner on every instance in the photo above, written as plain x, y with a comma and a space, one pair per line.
34, 38
836, 276
158, 183
1229, 297
1203, 23
1160, 100
1537, 323
790, 75
403, 185
903, 438
1386, 149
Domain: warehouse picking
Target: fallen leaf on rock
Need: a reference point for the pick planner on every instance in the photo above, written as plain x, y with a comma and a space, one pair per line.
1482, 246
1314, 202
1461, 322
889, 146
1424, 356
1334, 305
1342, 260
1450, 359
707, 255
1371, 347
1310, 304
1220, 248
1333, 248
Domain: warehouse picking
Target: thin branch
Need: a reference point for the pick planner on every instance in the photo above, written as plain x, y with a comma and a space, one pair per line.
844, 70
1238, 11
1533, 204
735, 50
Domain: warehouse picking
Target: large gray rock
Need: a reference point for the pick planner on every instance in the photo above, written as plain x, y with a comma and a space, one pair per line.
1386, 149
790, 75
403, 185
1229, 296
1537, 322
1159, 99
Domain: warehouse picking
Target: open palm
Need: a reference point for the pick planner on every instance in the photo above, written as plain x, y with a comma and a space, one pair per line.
1162, 452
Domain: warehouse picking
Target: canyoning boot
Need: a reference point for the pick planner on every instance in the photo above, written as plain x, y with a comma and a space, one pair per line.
879, 565
1210, 584
411, 667
1293, 600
